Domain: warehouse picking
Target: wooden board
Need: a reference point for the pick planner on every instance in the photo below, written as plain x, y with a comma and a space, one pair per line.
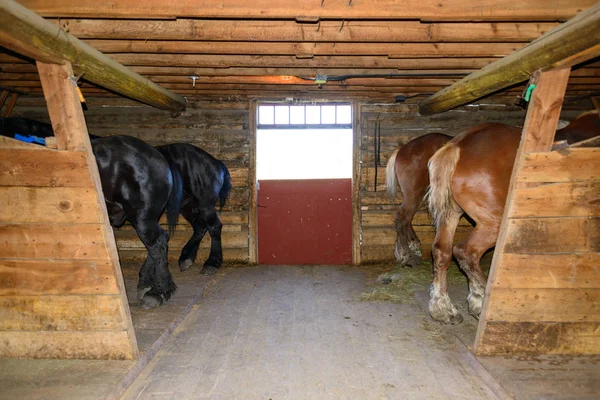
112, 345
561, 166
553, 235
547, 305
52, 277
60, 313
43, 168
568, 199
558, 271
540, 338
52, 241
52, 205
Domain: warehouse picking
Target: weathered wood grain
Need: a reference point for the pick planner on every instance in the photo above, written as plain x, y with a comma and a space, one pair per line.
561, 166
546, 271
544, 305
568, 199
113, 345
540, 338
56, 277
552, 235
52, 205
60, 313
43, 168
52, 241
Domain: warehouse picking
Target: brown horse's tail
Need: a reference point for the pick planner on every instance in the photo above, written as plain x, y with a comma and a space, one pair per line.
441, 168
390, 175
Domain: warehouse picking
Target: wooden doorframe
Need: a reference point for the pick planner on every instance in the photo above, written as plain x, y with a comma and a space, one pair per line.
252, 212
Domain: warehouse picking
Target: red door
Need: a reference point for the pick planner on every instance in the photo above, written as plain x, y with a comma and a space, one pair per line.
305, 221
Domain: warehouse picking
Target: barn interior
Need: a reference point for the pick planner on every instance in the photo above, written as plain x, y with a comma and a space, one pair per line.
168, 72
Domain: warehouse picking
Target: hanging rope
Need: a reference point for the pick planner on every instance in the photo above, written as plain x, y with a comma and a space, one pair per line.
377, 149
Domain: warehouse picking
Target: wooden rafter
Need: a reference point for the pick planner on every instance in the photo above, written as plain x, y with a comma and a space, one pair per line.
27, 33
565, 42
291, 31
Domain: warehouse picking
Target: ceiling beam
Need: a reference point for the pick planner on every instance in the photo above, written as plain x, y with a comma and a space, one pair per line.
567, 40
214, 61
429, 10
291, 31
25, 32
392, 50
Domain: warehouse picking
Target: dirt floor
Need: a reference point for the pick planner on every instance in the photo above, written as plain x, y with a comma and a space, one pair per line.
303, 332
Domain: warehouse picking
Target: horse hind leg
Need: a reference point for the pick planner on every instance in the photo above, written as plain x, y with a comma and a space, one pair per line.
408, 246
468, 254
155, 280
190, 250
215, 259
441, 307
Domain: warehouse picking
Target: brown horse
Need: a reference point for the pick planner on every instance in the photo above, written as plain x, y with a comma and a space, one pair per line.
407, 167
471, 174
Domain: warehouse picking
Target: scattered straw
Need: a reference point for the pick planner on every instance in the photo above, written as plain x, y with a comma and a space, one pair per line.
400, 284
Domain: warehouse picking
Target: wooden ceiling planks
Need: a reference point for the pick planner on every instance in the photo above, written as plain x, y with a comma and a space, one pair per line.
426, 10
268, 44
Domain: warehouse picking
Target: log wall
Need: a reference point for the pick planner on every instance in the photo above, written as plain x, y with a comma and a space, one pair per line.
61, 292
223, 129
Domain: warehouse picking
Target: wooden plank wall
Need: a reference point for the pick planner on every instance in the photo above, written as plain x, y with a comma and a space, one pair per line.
545, 295
221, 128
400, 123
60, 294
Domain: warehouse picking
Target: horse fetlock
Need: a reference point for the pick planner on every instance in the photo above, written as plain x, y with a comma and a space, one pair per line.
209, 270
475, 301
142, 292
185, 264
442, 310
402, 254
150, 301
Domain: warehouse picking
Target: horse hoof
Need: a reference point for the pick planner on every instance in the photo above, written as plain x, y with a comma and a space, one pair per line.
449, 319
142, 292
185, 264
209, 271
150, 301
414, 261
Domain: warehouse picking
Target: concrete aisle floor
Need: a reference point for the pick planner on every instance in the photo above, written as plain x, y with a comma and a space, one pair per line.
281, 332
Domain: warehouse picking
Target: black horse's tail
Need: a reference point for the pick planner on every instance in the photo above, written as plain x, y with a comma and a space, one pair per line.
226, 188
174, 202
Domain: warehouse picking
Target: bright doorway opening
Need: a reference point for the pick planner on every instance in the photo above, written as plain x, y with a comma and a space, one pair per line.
304, 172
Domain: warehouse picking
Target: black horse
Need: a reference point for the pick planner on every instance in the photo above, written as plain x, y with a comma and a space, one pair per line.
205, 180
138, 185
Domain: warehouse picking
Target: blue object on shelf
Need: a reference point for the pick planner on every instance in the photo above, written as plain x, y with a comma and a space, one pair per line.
30, 139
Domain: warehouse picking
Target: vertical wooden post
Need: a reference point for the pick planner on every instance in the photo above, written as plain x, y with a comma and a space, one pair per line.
68, 123
356, 232
538, 134
252, 224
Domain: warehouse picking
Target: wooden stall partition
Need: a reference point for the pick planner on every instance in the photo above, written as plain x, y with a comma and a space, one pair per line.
543, 293
61, 289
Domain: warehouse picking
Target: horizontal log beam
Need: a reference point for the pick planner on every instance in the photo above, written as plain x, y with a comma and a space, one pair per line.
530, 10
567, 40
291, 31
216, 61
27, 33
392, 50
